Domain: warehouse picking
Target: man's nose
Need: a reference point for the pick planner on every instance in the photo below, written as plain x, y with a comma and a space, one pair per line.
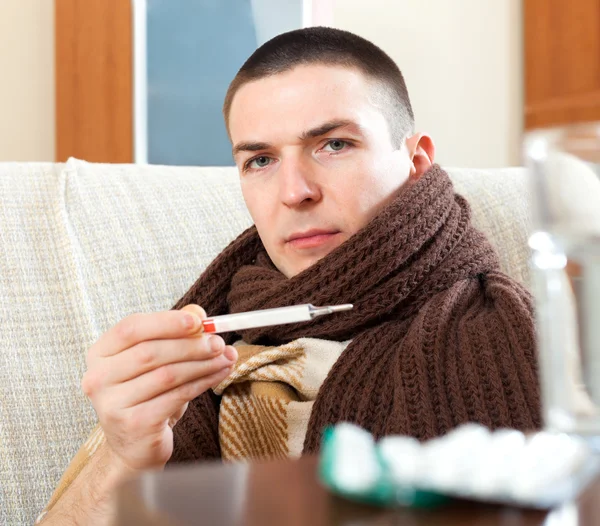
297, 184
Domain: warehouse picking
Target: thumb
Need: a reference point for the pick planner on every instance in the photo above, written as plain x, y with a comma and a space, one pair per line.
196, 310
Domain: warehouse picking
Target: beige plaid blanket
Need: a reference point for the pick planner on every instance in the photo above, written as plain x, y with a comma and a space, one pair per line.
265, 407
267, 399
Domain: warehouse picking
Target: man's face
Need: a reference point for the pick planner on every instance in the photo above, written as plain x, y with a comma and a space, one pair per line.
316, 160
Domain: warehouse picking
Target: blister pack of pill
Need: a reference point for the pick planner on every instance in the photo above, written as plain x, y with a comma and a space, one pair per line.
539, 470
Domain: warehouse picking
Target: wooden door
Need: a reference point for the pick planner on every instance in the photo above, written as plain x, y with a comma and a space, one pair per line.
562, 62
94, 80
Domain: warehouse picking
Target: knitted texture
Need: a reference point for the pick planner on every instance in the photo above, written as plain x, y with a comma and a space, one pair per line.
439, 335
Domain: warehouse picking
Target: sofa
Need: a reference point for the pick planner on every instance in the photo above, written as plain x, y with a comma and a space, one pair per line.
84, 244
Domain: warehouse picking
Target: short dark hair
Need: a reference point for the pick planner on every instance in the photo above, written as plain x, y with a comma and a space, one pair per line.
329, 46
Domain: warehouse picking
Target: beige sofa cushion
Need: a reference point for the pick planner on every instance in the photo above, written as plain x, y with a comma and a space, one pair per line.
500, 203
84, 245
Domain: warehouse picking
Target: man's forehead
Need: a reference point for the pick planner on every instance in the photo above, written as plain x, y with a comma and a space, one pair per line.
286, 106
298, 125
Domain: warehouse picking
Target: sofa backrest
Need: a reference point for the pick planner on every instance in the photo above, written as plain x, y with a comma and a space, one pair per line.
84, 245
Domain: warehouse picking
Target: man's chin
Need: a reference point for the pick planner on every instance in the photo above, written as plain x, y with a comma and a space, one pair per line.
296, 264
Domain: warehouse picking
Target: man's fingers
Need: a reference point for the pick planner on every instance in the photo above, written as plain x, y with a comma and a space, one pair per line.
165, 378
150, 355
137, 328
167, 404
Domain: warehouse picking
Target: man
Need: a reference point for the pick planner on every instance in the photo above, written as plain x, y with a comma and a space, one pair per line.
348, 207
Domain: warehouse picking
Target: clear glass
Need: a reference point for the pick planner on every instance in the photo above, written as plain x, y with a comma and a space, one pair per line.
564, 168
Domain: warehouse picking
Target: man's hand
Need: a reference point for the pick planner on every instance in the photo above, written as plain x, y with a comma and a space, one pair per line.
143, 372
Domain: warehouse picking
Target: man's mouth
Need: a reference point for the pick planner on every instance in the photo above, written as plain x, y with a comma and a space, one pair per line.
311, 238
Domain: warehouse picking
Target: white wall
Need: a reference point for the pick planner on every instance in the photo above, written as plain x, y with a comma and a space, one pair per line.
462, 62
27, 80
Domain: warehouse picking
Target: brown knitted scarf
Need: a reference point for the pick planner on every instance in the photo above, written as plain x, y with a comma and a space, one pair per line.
439, 335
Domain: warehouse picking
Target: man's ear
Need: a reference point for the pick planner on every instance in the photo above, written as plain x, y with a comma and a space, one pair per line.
421, 152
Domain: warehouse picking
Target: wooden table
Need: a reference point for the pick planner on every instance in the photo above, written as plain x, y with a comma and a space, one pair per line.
289, 494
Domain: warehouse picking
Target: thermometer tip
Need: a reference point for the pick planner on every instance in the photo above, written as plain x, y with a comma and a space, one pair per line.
340, 308
320, 311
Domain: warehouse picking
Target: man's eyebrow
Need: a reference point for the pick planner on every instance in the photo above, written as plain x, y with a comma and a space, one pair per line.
250, 147
309, 134
326, 128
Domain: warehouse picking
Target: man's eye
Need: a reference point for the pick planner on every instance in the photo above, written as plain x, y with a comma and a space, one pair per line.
259, 162
336, 145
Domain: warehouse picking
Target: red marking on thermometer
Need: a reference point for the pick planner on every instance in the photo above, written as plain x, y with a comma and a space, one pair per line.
267, 317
